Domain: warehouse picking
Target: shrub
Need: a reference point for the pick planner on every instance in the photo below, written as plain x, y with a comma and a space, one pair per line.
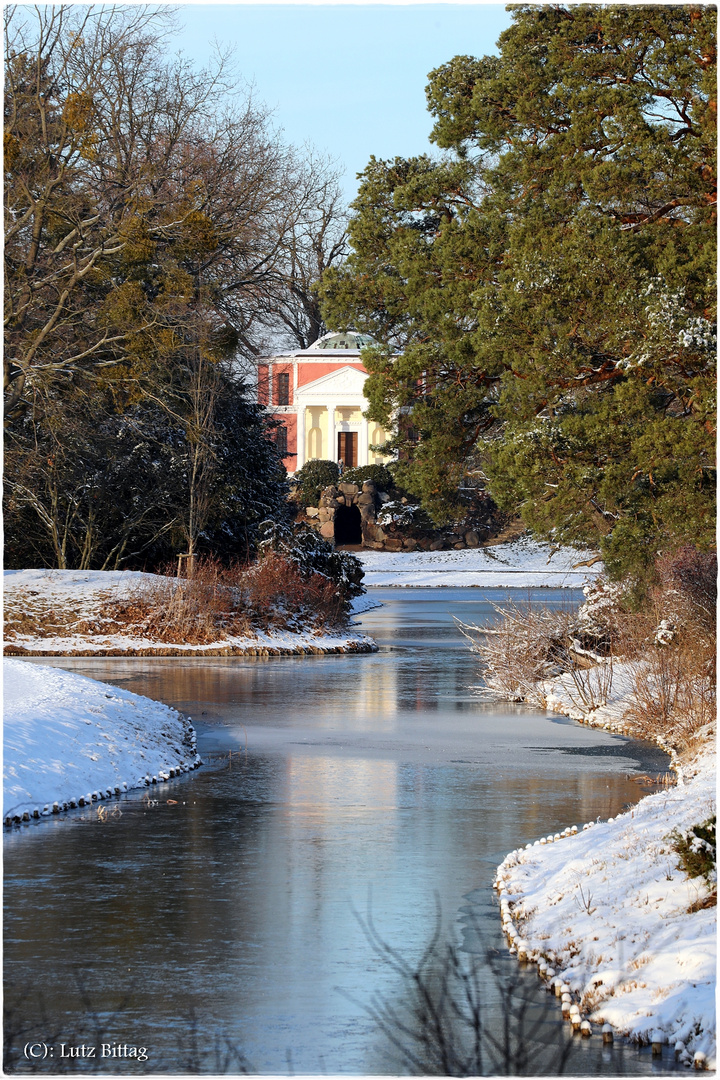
380, 475
405, 515
526, 646
670, 647
696, 848
673, 693
278, 595
312, 478
312, 554
688, 590
601, 620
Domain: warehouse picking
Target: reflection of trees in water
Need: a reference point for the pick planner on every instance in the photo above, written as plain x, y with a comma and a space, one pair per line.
442, 1022
462, 1013
455, 1013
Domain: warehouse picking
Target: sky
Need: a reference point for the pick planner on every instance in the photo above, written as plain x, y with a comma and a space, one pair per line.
347, 78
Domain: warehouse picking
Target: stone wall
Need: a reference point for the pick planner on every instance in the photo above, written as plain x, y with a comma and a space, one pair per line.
365, 498
390, 535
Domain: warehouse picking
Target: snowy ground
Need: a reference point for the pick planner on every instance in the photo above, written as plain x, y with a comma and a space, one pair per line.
68, 738
610, 909
521, 563
68, 604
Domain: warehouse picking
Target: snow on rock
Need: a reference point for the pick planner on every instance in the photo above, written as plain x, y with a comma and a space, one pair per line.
521, 563
67, 738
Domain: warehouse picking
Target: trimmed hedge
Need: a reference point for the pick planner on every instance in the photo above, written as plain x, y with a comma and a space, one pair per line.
312, 478
379, 474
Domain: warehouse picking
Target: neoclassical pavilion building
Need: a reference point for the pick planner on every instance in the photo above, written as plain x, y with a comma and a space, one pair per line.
316, 395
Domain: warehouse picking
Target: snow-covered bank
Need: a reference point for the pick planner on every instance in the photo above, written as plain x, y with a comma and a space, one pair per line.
69, 604
364, 603
522, 563
610, 909
69, 740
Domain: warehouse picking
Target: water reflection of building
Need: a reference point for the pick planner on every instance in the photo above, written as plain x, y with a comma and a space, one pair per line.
316, 396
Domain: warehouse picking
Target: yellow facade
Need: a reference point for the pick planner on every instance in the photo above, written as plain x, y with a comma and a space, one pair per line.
346, 415
378, 437
316, 428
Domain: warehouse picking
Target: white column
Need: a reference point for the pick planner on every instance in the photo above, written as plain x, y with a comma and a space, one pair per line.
300, 413
364, 443
332, 437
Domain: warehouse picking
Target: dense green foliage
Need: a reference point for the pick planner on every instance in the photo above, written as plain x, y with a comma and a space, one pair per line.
380, 475
697, 849
136, 487
544, 292
315, 475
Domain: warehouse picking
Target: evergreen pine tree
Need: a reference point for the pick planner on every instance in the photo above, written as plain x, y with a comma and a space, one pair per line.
550, 281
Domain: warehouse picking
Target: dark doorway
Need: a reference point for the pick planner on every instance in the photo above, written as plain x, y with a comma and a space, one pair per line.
348, 527
348, 448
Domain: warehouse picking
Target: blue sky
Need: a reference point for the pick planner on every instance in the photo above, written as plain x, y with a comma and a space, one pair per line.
348, 78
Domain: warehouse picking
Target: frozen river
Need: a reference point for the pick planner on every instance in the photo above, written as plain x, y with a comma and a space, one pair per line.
228, 928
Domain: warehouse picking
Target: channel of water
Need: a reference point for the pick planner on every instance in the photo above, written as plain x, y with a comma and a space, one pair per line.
230, 928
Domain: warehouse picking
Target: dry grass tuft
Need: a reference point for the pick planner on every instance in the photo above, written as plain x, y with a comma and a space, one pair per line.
214, 604
219, 602
668, 649
196, 611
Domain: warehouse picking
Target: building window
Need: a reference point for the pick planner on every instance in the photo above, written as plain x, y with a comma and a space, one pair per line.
263, 384
281, 440
283, 388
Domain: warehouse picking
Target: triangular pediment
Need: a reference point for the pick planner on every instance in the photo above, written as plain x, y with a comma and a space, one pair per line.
344, 382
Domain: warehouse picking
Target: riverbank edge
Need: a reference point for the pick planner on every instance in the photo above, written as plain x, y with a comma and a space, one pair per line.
60, 613
529, 949
98, 797
360, 644
83, 704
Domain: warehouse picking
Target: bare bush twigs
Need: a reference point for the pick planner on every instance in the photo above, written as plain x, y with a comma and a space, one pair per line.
671, 699
592, 684
655, 667
527, 645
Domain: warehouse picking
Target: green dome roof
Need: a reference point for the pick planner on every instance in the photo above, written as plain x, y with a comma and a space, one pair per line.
342, 340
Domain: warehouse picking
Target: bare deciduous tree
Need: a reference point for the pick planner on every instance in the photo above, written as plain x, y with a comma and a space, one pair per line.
141, 194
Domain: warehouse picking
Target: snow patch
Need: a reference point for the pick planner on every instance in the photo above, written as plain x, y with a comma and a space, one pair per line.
67, 737
522, 563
